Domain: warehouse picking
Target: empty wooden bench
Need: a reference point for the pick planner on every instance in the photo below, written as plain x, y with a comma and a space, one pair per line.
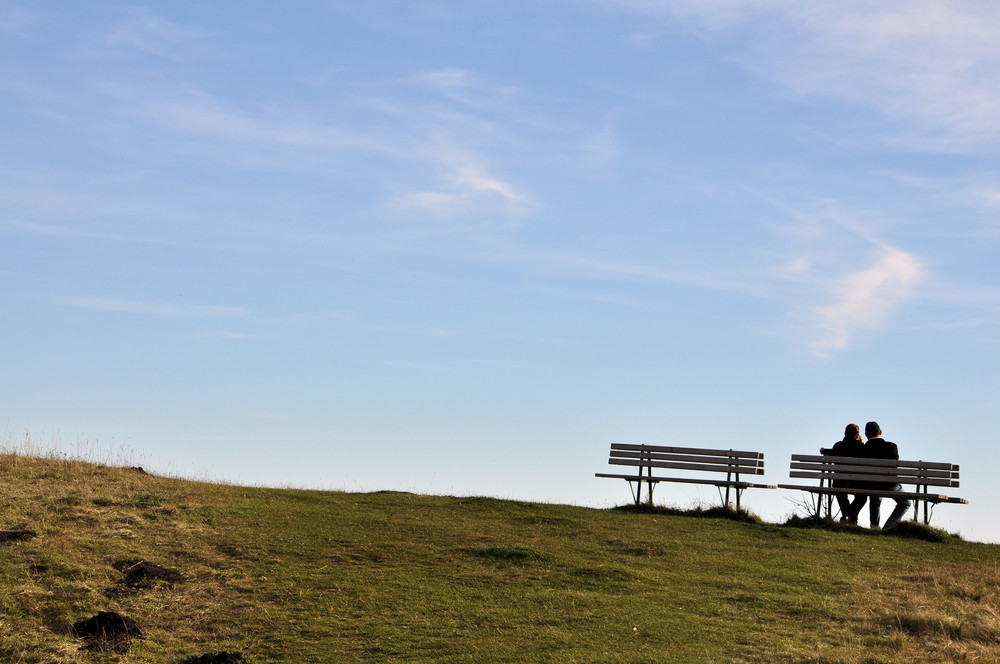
706, 465
927, 477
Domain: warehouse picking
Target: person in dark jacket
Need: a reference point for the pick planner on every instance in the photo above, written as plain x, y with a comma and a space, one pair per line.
851, 446
879, 448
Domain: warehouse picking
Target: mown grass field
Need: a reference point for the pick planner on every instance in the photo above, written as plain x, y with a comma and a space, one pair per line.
309, 576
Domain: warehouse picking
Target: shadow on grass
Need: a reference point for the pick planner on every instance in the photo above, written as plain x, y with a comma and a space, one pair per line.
512, 554
904, 530
718, 512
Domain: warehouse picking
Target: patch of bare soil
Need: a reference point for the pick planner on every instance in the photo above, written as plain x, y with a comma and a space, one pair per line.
7, 536
108, 632
139, 575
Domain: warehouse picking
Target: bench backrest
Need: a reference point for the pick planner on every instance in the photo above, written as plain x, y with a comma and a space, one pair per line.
687, 458
854, 469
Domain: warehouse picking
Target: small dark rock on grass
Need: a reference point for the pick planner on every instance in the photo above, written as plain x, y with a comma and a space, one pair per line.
108, 632
216, 658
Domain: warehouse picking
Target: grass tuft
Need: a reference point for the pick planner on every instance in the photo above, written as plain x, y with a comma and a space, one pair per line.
903, 530
715, 512
920, 531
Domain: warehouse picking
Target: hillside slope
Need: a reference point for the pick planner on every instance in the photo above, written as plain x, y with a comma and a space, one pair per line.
309, 576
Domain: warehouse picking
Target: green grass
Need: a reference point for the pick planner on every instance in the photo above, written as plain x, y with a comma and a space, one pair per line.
310, 576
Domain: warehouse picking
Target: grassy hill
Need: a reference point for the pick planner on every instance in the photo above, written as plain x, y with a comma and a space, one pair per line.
308, 576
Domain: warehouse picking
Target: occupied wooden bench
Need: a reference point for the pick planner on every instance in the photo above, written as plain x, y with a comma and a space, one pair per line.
731, 463
922, 475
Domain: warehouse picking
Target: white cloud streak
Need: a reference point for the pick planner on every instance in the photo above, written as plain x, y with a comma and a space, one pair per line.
451, 148
468, 185
864, 299
931, 67
141, 31
169, 309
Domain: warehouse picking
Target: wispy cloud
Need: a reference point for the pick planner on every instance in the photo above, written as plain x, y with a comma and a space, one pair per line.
466, 87
864, 299
433, 331
468, 185
438, 140
170, 309
146, 33
932, 68
233, 336
34, 228
18, 21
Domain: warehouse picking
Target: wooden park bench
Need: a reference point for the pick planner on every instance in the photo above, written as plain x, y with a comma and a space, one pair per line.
927, 478
708, 465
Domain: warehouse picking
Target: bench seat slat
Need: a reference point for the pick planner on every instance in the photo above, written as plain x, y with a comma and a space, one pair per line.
695, 458
862, 477
686, 450
900, 463
678, 458
689, 480
930, 497
871, 470
679, 465
691, 465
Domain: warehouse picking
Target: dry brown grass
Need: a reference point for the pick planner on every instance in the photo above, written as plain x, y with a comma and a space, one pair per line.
947, 611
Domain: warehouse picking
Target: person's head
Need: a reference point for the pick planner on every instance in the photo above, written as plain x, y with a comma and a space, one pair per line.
872, 430
852, 432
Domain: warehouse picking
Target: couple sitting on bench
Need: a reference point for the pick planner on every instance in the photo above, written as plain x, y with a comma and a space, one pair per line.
876, 448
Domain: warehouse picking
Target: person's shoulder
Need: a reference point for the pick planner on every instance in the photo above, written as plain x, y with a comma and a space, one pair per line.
880, 448
873, 447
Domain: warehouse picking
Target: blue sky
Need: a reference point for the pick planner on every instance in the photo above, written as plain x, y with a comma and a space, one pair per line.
460, 247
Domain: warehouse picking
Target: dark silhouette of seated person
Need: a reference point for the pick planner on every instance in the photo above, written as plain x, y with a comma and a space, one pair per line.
851, 446
879, 448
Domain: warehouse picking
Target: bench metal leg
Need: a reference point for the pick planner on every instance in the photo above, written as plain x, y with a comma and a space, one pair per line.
649, 478
635, 496
637, 492
649, 485
817, 500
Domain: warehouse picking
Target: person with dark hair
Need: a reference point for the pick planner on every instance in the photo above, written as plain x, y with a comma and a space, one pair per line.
878, 447
851, 446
